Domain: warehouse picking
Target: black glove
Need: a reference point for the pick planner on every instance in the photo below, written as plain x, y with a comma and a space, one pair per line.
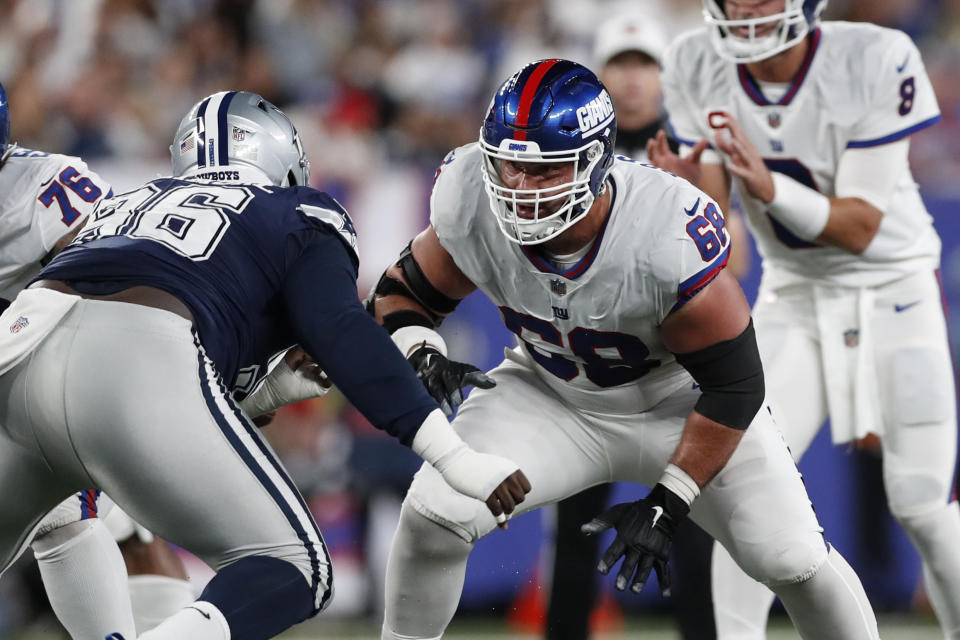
446, 379
645, 531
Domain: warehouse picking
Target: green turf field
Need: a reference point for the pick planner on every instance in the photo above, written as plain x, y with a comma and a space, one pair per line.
637, 628
658, 628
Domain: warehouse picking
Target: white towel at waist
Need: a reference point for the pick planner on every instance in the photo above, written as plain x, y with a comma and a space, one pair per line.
846, 346
28, 320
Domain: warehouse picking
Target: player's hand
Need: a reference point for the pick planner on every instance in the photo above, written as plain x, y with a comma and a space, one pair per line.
446, 379
507, 496
297, 377
659, 153
744, 159
644, 536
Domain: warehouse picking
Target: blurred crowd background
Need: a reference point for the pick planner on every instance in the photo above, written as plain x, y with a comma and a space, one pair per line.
380, 91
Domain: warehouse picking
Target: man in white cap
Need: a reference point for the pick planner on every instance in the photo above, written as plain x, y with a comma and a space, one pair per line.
626, 55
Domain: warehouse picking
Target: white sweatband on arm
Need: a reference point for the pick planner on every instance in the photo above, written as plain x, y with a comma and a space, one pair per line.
680, 482
409, 338
872, 173
802, 210
465, 470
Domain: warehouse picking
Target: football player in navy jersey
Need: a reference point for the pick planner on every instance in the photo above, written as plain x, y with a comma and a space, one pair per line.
117, 368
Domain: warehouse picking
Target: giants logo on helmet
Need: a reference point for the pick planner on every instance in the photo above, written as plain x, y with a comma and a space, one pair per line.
595, 115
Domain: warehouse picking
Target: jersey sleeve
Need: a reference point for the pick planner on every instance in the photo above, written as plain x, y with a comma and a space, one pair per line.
457, 185
323, 209
445, 198
68, 193
899, 98
320, 294
694, 249
682, 121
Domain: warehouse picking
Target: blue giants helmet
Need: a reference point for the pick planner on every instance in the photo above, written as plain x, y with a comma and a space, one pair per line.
4, 122
790, 27
551, 111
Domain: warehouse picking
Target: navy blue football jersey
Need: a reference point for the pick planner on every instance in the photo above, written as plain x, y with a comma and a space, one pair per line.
262, 268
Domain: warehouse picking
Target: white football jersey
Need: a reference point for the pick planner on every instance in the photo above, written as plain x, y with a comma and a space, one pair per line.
860, 86
44, 197
593, 329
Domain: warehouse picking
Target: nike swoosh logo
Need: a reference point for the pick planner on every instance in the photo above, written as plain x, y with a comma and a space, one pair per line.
693, 210
903, 307
201, 612
657, 512
903, 66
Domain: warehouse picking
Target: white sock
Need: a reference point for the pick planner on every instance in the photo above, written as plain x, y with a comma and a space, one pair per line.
741, 605
155, 598
831, 605
935, 536
85, 578
198, 621
424, 580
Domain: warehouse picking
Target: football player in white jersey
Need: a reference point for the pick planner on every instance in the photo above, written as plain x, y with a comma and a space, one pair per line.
47, 199
611, 274
813, 121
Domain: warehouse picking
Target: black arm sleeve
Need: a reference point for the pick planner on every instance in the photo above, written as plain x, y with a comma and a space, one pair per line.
731, 377
320, 292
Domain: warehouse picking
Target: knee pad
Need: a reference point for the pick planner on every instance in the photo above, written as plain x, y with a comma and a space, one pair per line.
429, 536
48, 541
80, 506
787, 559
432, 498
914, 494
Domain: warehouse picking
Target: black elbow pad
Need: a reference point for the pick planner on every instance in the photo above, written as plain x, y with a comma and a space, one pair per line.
730, 376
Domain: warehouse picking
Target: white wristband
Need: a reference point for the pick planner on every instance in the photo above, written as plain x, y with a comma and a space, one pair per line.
465, 470
436, 439
409, 338
680, 482
803, 210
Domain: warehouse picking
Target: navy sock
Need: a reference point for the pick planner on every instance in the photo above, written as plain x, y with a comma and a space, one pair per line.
260, 597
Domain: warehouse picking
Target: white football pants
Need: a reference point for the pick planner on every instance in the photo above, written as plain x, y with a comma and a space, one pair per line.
756, 506
916, 397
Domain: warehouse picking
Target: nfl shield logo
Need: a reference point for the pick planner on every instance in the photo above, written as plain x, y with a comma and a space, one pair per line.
239, 134
558, 286
19, 324
851, 337
774, 119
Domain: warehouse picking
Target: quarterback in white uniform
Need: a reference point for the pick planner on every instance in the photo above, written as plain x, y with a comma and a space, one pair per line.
813, 121
611, 274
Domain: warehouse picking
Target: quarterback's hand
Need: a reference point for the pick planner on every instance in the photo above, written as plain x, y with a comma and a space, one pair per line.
297, 377
644, 535
744, 159
659, 153
446, 379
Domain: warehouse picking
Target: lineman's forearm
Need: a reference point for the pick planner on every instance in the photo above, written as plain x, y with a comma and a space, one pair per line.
705, 447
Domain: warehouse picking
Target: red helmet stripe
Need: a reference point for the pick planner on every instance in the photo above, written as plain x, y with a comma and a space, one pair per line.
526, 96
